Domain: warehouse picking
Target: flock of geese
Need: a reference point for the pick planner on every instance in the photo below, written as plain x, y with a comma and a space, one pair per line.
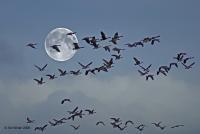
181, 59
107, 64
114, 122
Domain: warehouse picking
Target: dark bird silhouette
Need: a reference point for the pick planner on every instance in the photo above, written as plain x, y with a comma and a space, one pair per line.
156, 124
76, 114
51, 77
114, 41
140, 127
56, 47
149, 76
161, 71
173, 64
93, 42
41, 68
32, 45
118, 50
91, 71
145, 69
117, 57
115, 125
60, 121
73, 111
41, 128
90, 111
107, 48
162, 127
62, 72
71, 33
131, 45
100, 122
179, 57
40, 82
115, 38
28, 120
52, 124
78, 72
85, 66
142, 73
76, 46
186, 59
102, 68
116, 120
151, 39
64, 100
75, 127
87, 39
154, 39
188, 66
103, 36
137, 62
166, 68
108, 64
128, 122
177, 126
139, 43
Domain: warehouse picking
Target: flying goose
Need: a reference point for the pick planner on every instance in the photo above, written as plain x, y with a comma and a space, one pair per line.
85, 66
40, 82
137, 62
87, 39
131, 45
142, 73
156, 124
145, 69
161, 71
186, 59
107, 48
116, 120
149, 76
177, 126
41, 68
103, 36
32, 45
100, 122
41, 128
173, 64
56, 47
29, 120
76, 46
78, 72
64, 100
188, 66
51, 77
90, 111
71, 33
91, 71
117, 57
129, 121
62, 72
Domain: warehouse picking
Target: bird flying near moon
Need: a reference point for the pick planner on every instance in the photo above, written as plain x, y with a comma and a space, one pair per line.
59, 44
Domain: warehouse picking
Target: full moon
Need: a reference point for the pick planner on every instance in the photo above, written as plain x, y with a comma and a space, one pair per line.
64, 42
